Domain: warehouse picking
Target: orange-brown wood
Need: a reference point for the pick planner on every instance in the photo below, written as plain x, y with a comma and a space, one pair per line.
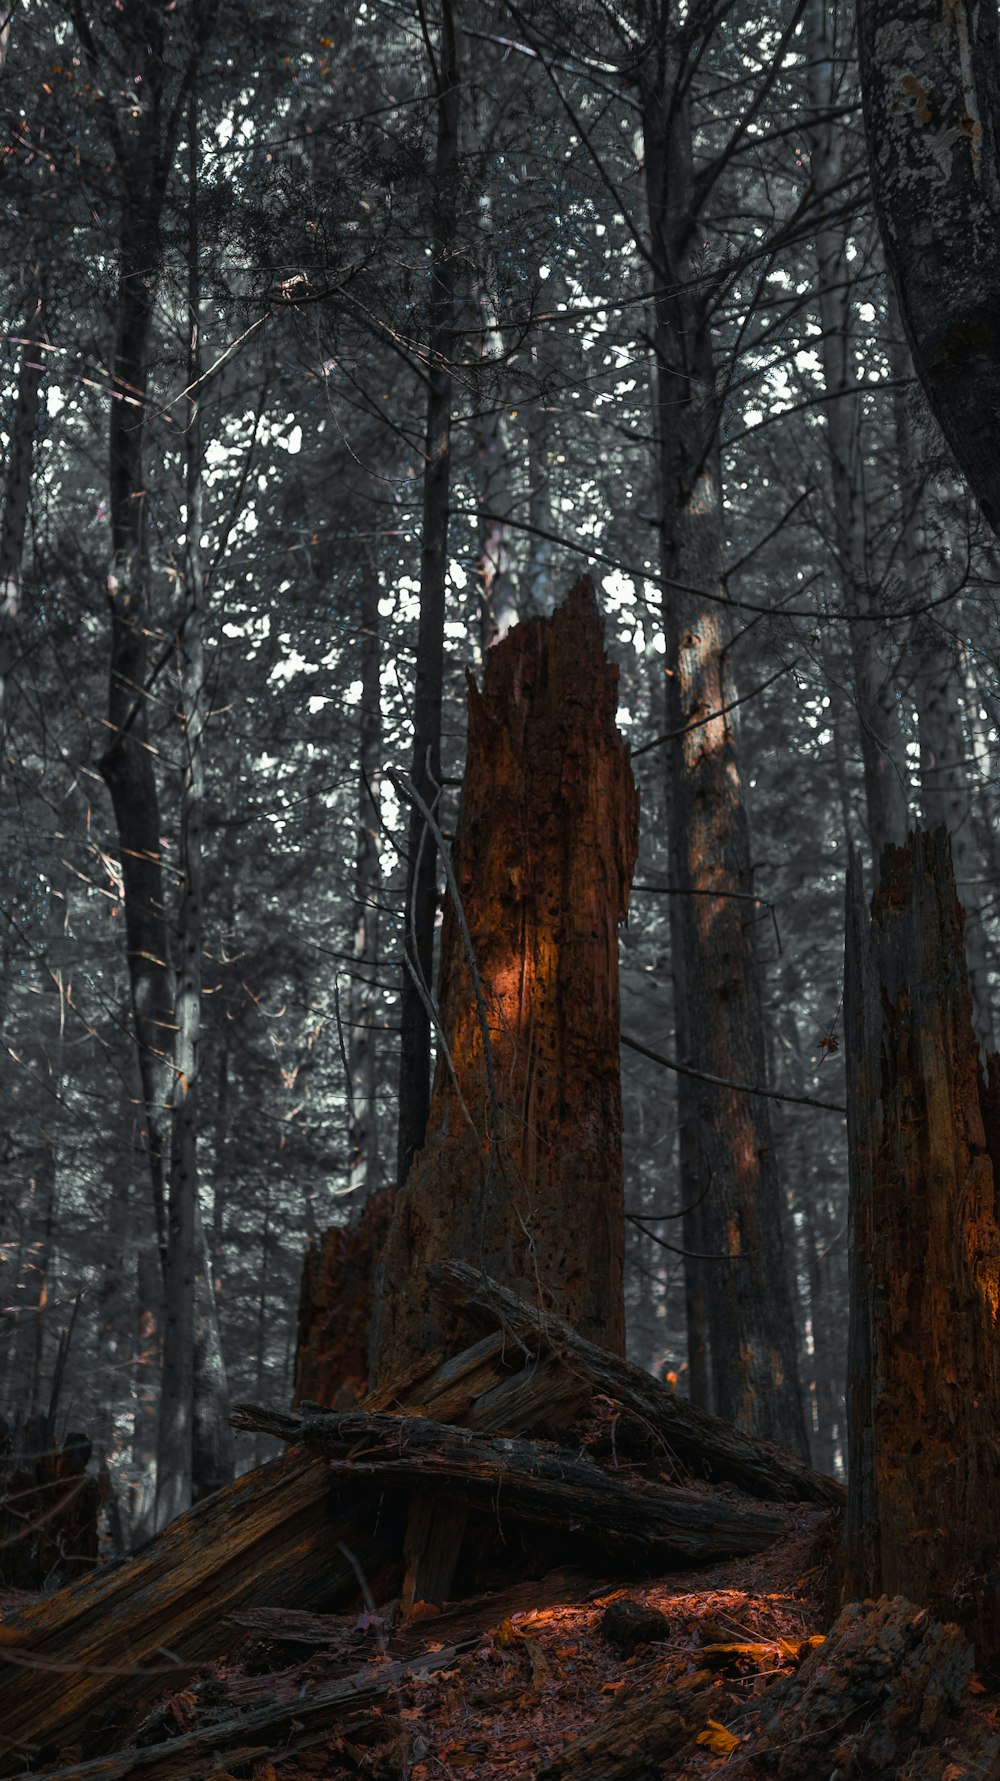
521, 1172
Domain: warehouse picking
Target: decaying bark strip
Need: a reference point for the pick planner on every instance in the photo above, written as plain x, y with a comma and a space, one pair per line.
703, 1444
525, 1480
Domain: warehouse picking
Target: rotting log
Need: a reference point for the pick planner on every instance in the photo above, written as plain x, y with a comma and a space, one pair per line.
923, 1517
524, 1480
522, 1165
252, 1735
76, 1664
280, 1536
702, 1444
632, 1740
459, 1622
886, 1679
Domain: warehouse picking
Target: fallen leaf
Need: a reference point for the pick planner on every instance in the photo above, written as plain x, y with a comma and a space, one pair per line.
718, 1740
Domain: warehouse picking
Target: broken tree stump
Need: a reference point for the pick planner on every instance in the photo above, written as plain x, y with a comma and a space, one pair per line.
704, 1445
923, 1515
525, 1480
886, 1678
521, 1171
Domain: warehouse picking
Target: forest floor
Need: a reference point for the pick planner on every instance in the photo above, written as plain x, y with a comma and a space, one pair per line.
525, 1672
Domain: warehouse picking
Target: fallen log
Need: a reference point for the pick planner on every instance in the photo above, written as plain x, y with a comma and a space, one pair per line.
81, 1664
457, 1623
247, 1737
84, 1661
703, 1444
632, 1740
526, 1480
886, 1679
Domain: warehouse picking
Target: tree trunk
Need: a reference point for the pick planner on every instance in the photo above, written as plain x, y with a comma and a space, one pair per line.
522, 1171
881, 1687
882, 743
17, 491
738, 1271
421, 859
931, 80
923, 1517
939, 692
194, 1454
362, 1163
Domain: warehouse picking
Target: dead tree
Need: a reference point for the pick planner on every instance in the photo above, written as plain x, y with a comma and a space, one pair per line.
923, 1515
521, 1173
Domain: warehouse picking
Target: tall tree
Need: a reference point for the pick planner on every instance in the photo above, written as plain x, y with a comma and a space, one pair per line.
729, 1167
421, 870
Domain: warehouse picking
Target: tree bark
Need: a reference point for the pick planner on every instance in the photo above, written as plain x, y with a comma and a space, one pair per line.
931, 81
923, 1516
939, 691
522, 1171
336, 1301
729, 1174
886, 1681
421, 860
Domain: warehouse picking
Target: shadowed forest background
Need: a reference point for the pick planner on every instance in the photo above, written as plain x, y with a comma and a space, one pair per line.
334, 347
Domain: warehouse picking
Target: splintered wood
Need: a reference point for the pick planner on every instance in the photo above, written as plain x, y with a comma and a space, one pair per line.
298, 1534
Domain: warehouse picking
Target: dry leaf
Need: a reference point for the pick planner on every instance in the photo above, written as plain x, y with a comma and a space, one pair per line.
719, 1741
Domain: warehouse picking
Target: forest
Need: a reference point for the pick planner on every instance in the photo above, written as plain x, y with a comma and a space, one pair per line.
499, 889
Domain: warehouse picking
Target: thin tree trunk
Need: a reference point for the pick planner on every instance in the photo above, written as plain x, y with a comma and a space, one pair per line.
194, 1453
363, 1134
729, 1169
497, 603
882, 747
17, 489
541, 594
421, 866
